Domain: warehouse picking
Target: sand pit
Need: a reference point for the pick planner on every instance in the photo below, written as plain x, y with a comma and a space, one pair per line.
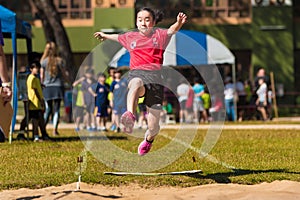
277, 190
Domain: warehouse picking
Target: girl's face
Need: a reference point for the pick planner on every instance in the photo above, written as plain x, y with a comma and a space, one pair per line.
144, 22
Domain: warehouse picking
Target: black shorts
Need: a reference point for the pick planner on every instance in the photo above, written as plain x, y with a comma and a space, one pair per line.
35, 114
152, 80
261, 105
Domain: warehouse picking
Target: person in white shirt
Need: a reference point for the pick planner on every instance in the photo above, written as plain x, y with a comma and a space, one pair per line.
229, 99
183, 93
261, 101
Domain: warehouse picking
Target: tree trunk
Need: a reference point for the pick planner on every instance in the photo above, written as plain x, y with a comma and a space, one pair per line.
55, 31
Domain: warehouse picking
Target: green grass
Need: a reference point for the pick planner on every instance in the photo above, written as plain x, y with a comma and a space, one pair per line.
257, 155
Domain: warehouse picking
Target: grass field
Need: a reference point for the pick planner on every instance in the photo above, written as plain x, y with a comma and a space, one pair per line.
256, 156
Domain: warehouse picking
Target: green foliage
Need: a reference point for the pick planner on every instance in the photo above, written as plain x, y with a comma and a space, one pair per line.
240, 156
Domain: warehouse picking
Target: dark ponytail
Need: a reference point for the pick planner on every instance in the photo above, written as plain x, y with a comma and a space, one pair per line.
156, 14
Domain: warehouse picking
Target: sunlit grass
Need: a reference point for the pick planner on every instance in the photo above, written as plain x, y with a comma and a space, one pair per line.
254, 155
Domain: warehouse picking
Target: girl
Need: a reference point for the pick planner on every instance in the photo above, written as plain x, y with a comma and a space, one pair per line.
146, 47
52, 75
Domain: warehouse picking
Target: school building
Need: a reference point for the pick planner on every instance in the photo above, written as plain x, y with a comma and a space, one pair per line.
260, 33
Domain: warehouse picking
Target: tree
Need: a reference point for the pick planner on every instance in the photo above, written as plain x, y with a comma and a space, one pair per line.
55, 31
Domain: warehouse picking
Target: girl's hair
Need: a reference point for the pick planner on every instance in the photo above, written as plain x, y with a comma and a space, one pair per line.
52, 61
157, 15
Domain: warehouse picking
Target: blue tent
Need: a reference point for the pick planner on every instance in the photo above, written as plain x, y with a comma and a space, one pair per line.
14, 28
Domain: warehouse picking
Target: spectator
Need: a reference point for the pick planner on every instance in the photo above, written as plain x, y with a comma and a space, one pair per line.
52, 76
241, 100
79, 103
100, 91
229, 98
142, 108
189, 105
198, 107
89, 103
206, 104
183, 92
109, 80
167, 108
119, 96
22, 88
36, 102
261, 101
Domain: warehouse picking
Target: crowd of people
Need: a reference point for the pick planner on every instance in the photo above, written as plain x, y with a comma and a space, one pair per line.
242, 100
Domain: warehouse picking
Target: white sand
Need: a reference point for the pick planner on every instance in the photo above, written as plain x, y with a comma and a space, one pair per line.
277, 190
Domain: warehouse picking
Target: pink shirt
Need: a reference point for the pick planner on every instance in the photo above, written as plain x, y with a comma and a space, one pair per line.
146, 52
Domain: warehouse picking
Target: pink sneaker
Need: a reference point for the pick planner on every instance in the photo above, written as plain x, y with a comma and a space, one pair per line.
128, 119
144, 147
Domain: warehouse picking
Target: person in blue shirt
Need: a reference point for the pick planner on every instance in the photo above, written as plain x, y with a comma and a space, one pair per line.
100, 91
198, 106
119, 96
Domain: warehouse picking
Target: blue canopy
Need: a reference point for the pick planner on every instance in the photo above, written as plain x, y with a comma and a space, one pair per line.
14, 28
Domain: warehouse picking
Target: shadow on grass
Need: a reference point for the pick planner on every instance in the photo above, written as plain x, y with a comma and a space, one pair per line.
84, 138
77, 138
224, 177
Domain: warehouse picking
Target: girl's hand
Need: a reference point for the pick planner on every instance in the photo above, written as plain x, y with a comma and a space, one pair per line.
181, 18
99, 36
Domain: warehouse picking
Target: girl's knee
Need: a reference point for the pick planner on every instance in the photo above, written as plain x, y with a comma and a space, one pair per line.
135, 82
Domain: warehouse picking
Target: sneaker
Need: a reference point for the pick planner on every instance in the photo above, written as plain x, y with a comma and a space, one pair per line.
36, 139
77, 129
103, 129
21, 136
90, 129
46, 137
113, 127
128, 119
118, 130
144, 147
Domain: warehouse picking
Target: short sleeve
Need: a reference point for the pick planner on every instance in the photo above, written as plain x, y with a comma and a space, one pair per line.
44, 63
122, 38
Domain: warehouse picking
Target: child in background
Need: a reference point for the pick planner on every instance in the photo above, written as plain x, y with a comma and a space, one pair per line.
100, 91
79, 103
109, 80
167, 108
262, 100
36, 102
206, 103
142, 108
118, 104
87, 82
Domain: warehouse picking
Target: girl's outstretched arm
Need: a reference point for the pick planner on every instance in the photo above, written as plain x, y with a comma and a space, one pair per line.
103, 36
181, 19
